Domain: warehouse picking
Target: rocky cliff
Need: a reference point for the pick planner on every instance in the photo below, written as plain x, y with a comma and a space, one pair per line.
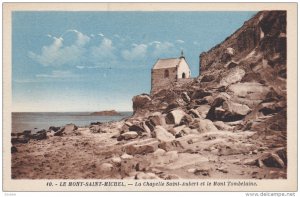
241, 89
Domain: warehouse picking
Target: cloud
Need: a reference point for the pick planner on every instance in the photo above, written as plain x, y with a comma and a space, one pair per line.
163, 48
80, 67
195, 43
154, 42
104, 51
101, 34
57, 54
137, 52
58, 74
82, 39
180, 41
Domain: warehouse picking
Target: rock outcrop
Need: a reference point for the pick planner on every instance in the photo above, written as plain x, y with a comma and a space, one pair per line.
106, 113
241, 88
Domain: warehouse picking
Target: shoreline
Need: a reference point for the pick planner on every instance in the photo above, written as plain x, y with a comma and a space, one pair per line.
25, 120
98, 152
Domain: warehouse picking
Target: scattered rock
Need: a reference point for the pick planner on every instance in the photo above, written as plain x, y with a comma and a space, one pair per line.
141, 147
171, 107
157, 119
222, 126
26, 132
126, 156
235, 75
106, 167
116, 160
16, 140
40, 135
203, 125
148, 175
66, 130
96, 123
194, 113
70, 128
177, 130
130, 135
137, 128
159, 152
191, 170
223, 169
13, 149
95, 129
60, 132
272, 160
53, 128
207, 78
185, 97
282, 153
203, 110
163, 135
204, 171
171, 177
175, 116
171, 156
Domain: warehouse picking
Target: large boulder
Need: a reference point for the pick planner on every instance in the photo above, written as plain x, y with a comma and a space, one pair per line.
40, 135
140, 101
175, 116
222, 126
235, 75
26, 133
53, 128
70, 128
141, 147
249, 90
129, 135
138, 128
19, 140
157, 119
96, 128
194, 113
185, 97
66, 130
203, 110
203, 125
177, 130
223, 108
163, 135
106, 167
199, 94
236, 108
207, 78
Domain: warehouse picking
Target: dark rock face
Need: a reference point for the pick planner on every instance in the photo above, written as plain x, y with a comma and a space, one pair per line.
13, 149
40, 135
18, 140
68, 129
53, 128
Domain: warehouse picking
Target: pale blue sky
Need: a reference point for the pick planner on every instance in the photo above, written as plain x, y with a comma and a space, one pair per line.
91, 61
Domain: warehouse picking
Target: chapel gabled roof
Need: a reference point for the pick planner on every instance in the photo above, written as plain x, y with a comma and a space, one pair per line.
167, 63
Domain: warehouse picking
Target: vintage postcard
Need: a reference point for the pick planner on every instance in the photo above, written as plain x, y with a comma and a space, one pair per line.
149, 97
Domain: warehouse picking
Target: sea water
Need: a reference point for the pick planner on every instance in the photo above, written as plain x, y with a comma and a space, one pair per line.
43, 120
